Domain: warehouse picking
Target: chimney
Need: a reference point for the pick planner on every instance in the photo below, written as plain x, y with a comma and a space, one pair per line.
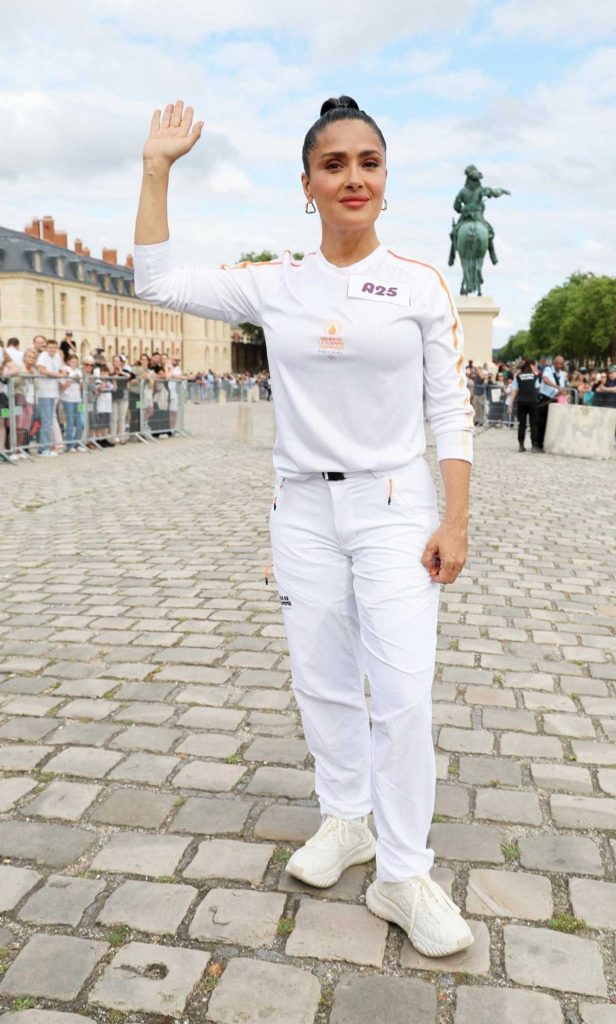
61, 239
110, 256
129, 261
49, 233
34, 229
85, 251
78, 247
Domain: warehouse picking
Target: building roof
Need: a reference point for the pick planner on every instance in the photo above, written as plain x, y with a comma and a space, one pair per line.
18, 255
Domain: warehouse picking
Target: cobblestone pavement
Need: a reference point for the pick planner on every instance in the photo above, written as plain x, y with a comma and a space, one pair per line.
155, 777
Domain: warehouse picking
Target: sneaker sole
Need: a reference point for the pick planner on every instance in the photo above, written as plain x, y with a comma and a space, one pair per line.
361, 855
389, 911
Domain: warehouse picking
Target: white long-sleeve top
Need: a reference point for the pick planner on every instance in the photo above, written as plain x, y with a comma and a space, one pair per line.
351, 352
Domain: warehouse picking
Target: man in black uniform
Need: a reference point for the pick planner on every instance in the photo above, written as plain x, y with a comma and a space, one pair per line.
525, 389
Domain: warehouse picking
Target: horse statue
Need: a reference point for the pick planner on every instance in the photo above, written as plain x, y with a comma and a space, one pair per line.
472, 236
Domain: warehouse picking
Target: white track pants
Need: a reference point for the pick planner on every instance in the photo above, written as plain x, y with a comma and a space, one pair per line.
356, 599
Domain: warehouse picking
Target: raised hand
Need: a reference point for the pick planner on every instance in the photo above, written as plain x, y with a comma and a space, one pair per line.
171, 135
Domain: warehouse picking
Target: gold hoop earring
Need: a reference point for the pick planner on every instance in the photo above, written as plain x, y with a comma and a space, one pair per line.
311, 203
384, 206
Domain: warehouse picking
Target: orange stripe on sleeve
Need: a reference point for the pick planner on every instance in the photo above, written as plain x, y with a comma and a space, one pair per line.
454, 318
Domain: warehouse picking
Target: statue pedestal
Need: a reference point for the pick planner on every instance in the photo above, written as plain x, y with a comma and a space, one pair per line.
477, 313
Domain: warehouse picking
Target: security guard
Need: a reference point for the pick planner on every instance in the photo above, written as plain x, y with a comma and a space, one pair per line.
553, 384
525, 389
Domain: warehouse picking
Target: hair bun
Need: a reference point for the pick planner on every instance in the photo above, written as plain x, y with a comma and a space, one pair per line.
340, 101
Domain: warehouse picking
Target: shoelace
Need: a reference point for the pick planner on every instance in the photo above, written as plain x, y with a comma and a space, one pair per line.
427, 889
337, 828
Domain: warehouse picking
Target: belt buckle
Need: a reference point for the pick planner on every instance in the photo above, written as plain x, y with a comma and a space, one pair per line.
335, 475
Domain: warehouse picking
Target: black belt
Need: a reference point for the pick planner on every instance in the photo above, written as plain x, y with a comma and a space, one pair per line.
333, 476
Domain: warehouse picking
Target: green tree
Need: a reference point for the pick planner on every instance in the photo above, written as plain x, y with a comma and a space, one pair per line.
578, 320
251, 330
517, 345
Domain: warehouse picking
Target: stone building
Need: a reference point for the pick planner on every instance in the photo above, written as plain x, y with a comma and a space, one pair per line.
47, 288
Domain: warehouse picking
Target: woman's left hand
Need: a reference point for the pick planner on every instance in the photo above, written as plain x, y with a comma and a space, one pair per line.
446, 551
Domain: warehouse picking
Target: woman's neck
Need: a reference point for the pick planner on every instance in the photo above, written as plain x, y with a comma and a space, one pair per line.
345, 248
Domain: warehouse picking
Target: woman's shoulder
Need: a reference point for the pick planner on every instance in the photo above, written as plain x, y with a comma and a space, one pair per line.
415, 266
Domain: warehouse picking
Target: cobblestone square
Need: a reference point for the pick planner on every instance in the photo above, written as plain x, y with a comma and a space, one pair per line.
154, 776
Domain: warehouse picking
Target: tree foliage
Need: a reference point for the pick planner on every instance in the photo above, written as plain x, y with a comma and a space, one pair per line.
577, 320
518, 345
251, 330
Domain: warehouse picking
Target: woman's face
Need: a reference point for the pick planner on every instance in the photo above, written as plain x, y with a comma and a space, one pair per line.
347, 176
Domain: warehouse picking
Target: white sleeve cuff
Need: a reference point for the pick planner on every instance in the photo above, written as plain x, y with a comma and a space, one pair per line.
455, 444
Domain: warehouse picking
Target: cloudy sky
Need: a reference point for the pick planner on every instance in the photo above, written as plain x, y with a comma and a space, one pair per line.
524, 89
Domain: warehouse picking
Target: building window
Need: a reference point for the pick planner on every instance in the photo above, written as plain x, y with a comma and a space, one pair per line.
140, 321
120, 286
115, 316
40, 305
63, 310
108, 316
107, 283
80, 272
101, 314
38, 262
83, 309
60, 266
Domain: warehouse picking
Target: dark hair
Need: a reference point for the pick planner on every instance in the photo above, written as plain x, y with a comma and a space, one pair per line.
341, 108
14, 342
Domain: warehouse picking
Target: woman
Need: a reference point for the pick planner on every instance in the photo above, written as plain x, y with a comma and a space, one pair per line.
146, 374
119, 400
72, 403
159, 423
25, 401
359, 554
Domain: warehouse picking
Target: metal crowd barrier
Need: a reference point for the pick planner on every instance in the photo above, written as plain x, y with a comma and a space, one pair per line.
224, 390
47, 416
491, 409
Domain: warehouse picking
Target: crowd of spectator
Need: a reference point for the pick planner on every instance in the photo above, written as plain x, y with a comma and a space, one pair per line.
206, 386
55, 394
493, 389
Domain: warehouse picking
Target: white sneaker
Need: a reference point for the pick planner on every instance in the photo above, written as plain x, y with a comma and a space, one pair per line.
336, 846
429, 917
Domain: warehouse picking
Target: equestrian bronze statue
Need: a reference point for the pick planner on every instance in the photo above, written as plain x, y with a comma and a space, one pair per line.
472, 236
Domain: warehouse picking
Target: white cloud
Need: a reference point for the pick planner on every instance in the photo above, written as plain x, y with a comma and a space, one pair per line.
74, 123
41, 143
572, 22
335, 29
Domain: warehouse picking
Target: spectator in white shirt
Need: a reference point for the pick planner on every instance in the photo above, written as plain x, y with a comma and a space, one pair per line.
70, 392
14, 352
49, 366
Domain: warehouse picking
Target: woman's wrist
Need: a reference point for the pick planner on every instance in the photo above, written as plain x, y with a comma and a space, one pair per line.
156, 166
458, 520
